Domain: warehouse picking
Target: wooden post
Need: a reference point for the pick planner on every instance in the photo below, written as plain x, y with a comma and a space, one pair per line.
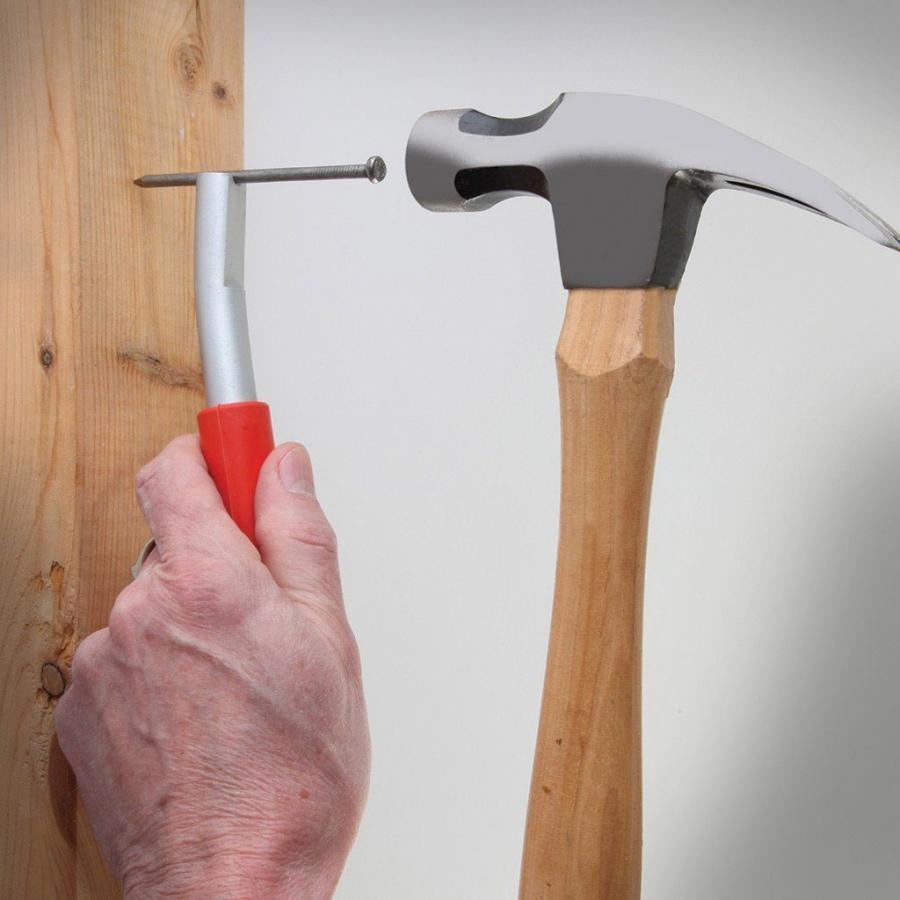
99, 366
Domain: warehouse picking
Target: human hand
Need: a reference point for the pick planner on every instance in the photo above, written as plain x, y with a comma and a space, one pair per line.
217, 727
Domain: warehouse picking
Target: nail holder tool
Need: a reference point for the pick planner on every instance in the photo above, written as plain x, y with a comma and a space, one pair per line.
235, 427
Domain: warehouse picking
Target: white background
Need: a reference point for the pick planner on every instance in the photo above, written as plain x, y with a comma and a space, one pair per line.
413, 354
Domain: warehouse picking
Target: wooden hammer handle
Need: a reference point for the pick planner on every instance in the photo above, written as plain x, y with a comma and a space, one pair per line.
615, 361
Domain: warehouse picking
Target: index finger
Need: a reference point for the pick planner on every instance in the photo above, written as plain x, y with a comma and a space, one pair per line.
181, 503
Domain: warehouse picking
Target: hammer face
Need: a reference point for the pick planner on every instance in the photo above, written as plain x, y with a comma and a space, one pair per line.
626, 176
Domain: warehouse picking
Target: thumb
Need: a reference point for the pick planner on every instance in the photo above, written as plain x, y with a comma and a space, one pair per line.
295, 540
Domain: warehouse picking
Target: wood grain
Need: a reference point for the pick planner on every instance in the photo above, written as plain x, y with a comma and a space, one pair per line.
615, 361
100, 365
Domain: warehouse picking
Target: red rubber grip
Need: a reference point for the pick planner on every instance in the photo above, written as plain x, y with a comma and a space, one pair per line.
235, 439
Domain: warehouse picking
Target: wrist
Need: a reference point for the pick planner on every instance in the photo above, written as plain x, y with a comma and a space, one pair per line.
230, 874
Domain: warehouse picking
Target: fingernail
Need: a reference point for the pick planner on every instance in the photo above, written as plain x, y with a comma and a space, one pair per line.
295, 473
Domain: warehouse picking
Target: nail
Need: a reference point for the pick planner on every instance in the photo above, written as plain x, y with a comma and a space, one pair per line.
295, 472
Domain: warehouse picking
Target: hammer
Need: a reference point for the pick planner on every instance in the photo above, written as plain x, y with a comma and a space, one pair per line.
627, 178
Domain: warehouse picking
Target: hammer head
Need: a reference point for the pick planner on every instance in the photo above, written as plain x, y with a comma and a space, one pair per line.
626, 177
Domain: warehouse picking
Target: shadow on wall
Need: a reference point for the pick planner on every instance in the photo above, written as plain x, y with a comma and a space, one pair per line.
820, 811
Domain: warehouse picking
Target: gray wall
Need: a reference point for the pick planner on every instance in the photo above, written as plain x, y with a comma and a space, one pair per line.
413, 354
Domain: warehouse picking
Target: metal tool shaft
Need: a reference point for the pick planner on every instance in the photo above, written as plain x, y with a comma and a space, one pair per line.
373, 168
219, 286
219, 265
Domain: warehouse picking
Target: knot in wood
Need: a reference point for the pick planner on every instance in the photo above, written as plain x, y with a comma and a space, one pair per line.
188, 62
52, 679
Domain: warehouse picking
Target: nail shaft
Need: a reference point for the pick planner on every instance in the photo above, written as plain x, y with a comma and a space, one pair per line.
374, 169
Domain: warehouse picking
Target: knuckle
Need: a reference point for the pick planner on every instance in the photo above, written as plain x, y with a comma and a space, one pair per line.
316, 534
145, 476
149, 484
128, 616
161, 468
307, 526
87, 663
